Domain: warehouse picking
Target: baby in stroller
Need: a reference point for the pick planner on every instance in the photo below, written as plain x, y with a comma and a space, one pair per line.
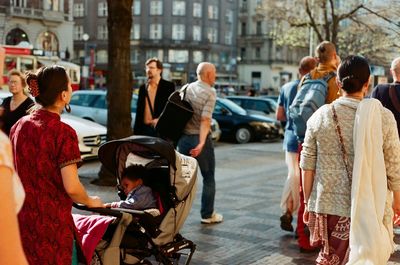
140, 237
138, 196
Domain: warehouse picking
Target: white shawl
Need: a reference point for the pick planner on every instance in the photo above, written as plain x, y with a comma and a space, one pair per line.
371, 229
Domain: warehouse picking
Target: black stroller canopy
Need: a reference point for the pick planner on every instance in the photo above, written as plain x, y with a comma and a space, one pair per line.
146, 146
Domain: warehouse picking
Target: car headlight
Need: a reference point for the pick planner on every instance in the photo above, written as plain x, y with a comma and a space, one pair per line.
261, 124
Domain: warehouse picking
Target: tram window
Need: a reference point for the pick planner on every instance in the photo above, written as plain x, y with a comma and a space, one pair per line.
27, 64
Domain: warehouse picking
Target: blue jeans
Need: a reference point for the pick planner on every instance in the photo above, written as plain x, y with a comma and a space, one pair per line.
206, 161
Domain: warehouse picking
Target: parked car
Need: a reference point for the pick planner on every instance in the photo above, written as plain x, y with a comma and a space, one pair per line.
90, 134
265, 105
273, 97
244, 126
92, 105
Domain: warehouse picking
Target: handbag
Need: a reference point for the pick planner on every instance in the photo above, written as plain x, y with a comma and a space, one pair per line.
176, 114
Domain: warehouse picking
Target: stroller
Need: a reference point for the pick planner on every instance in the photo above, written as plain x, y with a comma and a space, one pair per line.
138, 237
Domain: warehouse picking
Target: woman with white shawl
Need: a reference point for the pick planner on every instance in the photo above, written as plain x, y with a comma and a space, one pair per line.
351, 168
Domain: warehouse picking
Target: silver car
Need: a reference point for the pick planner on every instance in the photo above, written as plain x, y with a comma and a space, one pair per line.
92, 105
90, 134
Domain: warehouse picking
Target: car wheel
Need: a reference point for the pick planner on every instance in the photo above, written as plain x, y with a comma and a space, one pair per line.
243, 135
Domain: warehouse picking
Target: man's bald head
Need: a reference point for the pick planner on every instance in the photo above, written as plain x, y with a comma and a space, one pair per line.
206, 72
395, 69
307, 64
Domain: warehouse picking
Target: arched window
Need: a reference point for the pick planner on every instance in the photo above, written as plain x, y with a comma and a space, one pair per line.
15, 36
48, 41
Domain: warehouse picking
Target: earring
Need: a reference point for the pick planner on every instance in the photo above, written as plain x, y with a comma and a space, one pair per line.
68, 108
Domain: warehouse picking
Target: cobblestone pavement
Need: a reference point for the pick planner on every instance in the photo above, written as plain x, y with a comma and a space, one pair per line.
249, 179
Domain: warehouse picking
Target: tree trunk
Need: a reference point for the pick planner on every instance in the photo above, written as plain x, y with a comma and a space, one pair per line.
119, 77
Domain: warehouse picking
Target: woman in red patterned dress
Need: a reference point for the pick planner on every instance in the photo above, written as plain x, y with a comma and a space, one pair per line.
46, 156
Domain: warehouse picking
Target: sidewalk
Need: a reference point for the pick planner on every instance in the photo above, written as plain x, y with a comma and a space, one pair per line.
249, 180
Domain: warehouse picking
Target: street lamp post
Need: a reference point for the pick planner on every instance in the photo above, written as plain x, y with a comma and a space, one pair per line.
85, 68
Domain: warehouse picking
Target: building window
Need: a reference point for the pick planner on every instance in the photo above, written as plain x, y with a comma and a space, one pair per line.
243, 53
179, 8
198, 56
79, 10
136, 8
212, 12
102, 32
15, 36
156, 7
102, 56
134, 56
196, 9
155, 54
53, 5
257, 53
212, 35
243, 28
228, 37
178, 56
196, 33
78, 32
243, 6
18, 3
259, 28
155, 31
135, 32
102, 9
178, 31
48, 41
229, 16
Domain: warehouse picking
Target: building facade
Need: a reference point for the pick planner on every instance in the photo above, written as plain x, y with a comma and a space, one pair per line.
181, 33
262, 63
45, 25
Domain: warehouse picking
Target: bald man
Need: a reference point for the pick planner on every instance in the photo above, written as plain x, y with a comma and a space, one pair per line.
196, 139
389, 94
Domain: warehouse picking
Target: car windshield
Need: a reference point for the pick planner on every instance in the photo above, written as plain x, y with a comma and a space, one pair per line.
233, 106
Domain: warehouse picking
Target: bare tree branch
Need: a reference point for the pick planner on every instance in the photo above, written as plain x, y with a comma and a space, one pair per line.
312, 21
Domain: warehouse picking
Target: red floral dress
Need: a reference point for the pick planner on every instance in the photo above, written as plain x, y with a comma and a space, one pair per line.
42, 145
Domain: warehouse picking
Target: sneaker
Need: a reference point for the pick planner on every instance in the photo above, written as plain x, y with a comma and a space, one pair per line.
214, 219
286, 222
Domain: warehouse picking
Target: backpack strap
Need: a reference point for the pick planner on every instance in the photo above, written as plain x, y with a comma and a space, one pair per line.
394, 98
183, 89
328, 76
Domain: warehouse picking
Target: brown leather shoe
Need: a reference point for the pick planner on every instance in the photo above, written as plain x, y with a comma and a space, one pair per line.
286, 222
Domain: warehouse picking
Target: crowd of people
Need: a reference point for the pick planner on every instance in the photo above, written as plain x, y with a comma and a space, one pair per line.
343, 175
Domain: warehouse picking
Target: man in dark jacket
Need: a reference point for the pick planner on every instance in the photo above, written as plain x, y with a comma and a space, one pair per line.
152, 99
389, 94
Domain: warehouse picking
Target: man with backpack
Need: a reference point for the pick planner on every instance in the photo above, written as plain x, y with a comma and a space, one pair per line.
316, 89
290, 195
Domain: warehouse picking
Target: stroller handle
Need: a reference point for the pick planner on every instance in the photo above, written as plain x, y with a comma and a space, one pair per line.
100, 210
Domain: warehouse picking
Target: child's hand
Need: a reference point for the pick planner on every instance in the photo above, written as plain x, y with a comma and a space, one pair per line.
107, 205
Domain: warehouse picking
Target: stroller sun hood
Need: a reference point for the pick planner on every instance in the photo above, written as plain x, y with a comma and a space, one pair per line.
107, 151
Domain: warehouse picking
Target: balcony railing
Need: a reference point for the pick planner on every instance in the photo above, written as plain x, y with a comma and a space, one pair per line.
32, 13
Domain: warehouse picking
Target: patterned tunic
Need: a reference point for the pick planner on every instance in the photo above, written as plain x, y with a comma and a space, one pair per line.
331, 192
42, 145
